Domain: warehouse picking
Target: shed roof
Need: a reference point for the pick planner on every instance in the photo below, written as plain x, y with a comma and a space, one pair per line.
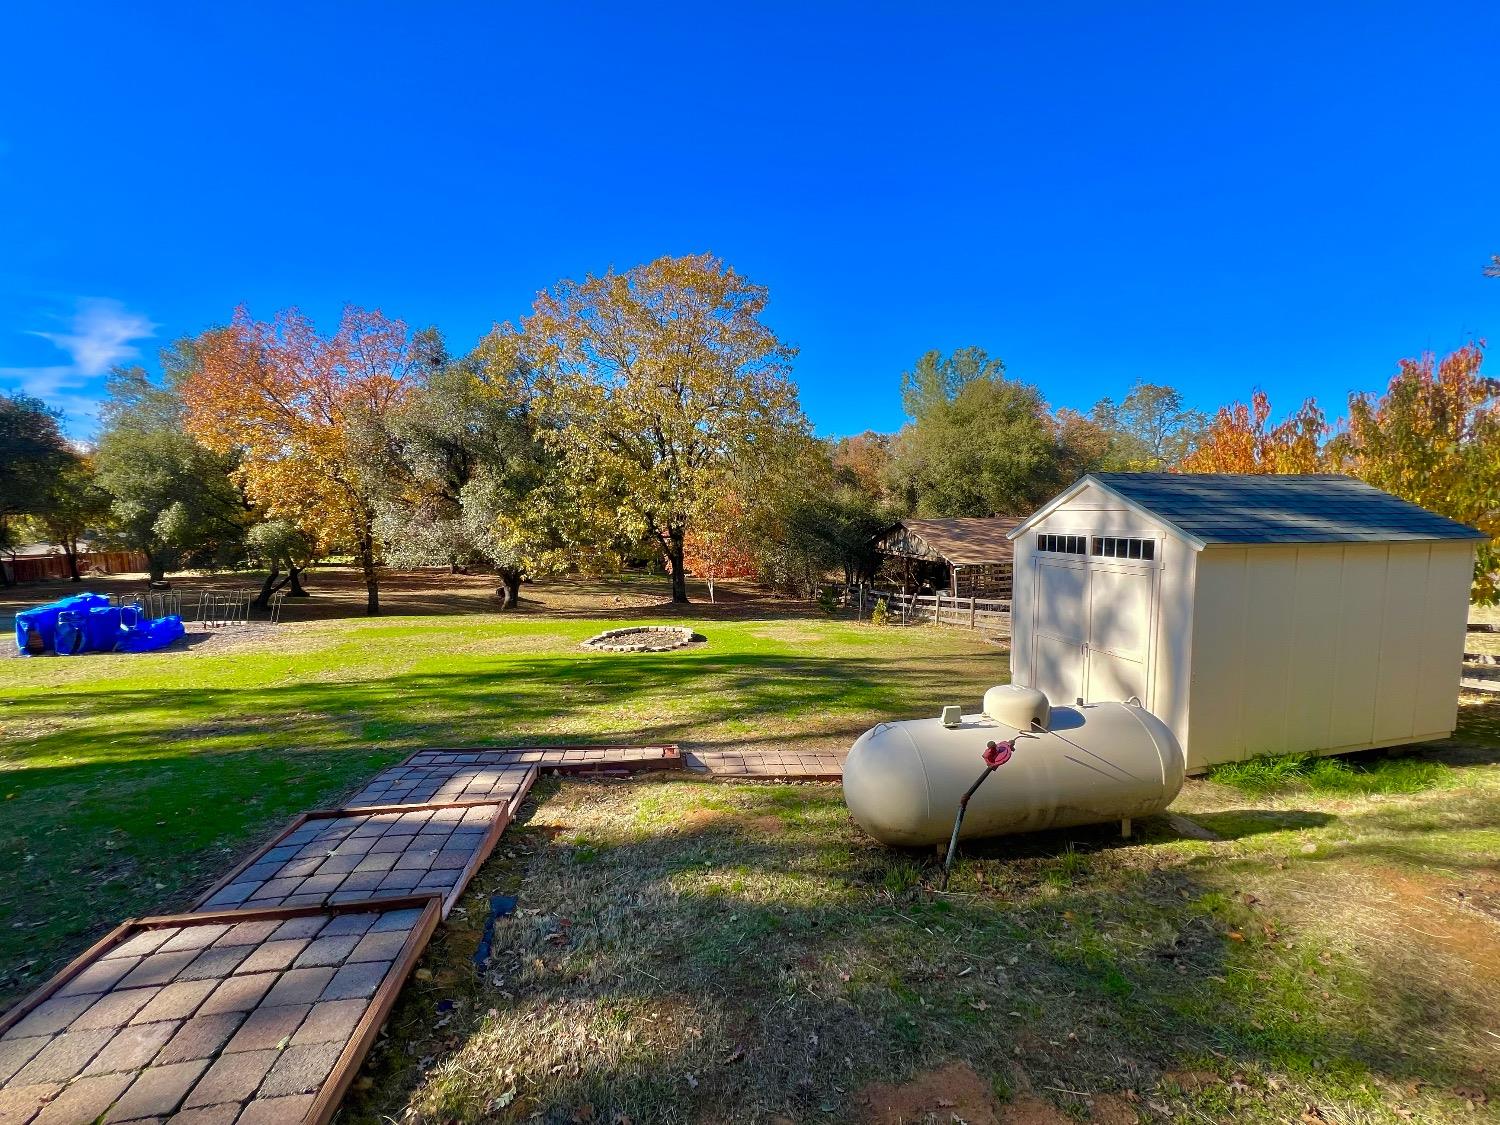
1246, 509
971, 541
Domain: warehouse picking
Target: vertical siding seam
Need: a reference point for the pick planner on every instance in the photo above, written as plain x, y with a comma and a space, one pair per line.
1385, 621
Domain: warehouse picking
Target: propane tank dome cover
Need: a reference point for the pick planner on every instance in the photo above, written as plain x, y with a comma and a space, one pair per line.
1021, 707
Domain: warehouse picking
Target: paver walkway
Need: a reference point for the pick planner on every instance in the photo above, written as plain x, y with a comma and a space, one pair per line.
259, 1007
728, 765
258, 1017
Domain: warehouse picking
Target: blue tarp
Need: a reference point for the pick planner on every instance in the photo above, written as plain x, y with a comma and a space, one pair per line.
43, 619
88, 623
151, 635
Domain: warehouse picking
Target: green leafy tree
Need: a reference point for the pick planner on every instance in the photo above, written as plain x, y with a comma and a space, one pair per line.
981, 444
1151, 428
472, 464
286, 551
76, 507
174, 499
660, 384
33, 452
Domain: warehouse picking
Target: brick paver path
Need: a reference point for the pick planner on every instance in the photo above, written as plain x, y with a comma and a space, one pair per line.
729, 765
561, 759
346, 856
261, 1007
242, 1016
482, 783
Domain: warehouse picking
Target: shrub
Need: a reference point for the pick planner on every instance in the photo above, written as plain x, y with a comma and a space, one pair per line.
881, 614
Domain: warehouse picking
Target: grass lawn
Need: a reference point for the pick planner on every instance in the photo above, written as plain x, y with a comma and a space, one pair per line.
127, 783
692, 952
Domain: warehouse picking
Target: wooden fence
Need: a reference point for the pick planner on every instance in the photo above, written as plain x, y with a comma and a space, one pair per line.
41, 568
992, 615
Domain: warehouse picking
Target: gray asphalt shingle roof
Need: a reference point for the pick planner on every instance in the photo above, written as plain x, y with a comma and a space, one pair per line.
1321, 508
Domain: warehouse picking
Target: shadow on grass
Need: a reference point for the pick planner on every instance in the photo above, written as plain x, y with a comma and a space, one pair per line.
717, 972
747, 696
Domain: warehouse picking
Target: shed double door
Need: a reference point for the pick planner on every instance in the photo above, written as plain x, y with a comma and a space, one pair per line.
1091, 634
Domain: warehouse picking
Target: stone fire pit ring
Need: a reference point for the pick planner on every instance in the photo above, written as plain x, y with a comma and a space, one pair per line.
643, 638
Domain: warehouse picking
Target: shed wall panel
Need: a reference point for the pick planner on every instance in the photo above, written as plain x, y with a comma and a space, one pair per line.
1314, 646
1356, 673
1400, 675
1269, 609
1218, 659
1445, 616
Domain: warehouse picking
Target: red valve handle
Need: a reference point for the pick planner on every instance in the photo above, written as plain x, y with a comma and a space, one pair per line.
996, 754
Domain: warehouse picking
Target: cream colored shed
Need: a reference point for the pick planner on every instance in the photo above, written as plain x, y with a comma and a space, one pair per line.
1253, 614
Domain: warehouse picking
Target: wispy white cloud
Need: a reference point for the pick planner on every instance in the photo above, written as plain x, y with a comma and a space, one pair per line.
101, 335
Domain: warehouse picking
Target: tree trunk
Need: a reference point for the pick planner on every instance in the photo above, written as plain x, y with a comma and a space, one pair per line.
509, 592
156, 568
367, 564
294, 582
267, 588
674, 548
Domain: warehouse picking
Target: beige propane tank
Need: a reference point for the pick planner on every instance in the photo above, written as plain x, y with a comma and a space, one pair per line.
1094, 763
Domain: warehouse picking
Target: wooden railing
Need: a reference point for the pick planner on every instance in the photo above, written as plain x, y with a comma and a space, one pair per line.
989, 614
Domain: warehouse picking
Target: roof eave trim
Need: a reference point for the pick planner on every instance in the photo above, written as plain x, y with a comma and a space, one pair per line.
1078, 486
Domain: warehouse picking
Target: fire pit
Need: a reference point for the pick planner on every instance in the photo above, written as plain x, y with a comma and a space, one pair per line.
643, 638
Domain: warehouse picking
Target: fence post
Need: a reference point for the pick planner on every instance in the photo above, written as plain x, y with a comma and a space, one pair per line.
971, 611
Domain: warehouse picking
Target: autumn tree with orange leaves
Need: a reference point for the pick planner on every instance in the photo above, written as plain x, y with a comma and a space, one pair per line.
306, 413
1239, 441
1434, 438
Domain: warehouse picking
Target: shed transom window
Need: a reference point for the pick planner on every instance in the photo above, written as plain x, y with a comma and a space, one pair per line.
1112, 547
1063, 544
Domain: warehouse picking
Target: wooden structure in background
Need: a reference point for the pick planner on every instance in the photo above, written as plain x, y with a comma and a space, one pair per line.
963, 557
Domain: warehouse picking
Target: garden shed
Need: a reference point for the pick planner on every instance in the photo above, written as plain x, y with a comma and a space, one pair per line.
1254, 614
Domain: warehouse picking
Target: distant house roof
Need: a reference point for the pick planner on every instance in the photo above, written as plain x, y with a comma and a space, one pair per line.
1245, 509
961, 542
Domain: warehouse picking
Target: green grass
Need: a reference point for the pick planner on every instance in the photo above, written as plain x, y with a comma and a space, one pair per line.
745, 953
1307, 773
129, 782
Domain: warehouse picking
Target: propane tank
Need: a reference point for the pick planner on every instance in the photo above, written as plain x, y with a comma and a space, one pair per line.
1092, 763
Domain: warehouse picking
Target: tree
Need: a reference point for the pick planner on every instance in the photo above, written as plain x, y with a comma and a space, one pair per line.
660, 383
307, 416
173, 498
1152, 428
865, 460
1239, 441
473, 461
76, 506
716, 546
279, 544
1434, 438
981, 444
32, 452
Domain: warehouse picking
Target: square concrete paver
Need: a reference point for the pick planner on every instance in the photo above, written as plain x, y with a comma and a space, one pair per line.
348, 857
504, 783
231, 1046
818, 765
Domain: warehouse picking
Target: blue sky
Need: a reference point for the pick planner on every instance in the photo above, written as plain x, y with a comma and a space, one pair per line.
1216, 196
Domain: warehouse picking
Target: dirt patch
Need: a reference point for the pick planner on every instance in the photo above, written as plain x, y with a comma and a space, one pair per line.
1111, 1109
766, 825
1029, 1109
1441, 917
938, 1096
1192, 1080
